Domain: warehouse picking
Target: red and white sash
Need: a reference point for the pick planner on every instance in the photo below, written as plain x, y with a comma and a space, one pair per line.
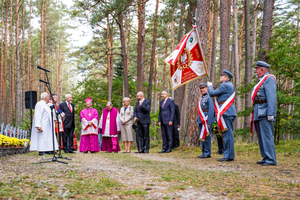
254, 92
221, 110
204, 128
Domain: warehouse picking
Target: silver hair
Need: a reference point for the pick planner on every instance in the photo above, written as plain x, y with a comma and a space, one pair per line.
68, 95
44, 95
126, 99
164, 91
108, 103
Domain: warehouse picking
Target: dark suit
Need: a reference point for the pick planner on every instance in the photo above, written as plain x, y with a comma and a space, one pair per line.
166, 115
69, 126
175, 132
142, 112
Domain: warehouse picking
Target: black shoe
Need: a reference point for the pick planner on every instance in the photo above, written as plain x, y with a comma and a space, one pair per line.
204, 156
260, 162
225, 159
137, 152
42, 153
66, 151
146, 151
168, 151
162, 151
71, 151
85, 152
267, 164
141, 151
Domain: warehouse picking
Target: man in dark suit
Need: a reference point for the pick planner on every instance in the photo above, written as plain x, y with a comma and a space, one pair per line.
142, 119
175, 126
165, 121
69, 123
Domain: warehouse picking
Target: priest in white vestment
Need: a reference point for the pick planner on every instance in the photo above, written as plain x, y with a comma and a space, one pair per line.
42, 132
110, 127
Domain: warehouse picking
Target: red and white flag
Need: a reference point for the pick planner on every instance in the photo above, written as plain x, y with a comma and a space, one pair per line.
187, 60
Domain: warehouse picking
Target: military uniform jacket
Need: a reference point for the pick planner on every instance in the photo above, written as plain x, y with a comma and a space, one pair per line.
207, 104
267, 91
223, 92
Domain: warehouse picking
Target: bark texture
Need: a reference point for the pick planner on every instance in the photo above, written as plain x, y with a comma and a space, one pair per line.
191, 126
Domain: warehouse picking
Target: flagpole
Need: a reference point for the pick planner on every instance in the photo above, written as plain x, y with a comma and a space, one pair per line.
199, 42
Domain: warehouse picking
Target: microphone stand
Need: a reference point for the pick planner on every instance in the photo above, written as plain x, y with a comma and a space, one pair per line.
54, 159
59, 135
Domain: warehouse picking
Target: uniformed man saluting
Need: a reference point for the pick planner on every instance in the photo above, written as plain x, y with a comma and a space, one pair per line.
225, 112
206, 114
264, 112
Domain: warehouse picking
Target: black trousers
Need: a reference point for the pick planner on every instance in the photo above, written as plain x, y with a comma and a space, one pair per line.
175, 134
68, 136
144, 136
167, 137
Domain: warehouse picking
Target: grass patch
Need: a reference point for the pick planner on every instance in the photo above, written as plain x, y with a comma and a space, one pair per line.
237, 184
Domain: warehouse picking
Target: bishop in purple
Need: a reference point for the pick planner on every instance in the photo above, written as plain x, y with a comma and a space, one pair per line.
110, 127
89, 119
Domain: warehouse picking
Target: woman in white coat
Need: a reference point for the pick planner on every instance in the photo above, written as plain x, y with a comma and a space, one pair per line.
126, 114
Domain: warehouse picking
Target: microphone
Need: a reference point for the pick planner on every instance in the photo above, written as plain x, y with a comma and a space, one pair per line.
44, 81
39, 67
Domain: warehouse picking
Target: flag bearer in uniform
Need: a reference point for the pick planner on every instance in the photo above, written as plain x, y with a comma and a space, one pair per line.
264, 112
225, 112
205, 119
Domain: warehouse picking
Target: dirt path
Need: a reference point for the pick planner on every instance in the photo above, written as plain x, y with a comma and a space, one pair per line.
54, 178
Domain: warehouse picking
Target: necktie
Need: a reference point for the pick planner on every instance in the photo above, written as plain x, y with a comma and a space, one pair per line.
70, 108
164, 103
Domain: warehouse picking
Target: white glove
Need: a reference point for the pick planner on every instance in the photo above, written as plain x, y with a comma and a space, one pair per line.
270, 118
209, 84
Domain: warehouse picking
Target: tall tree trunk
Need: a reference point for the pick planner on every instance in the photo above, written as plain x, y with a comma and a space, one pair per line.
2, 104
254, 30
153, 52
224, 34
109, 68
165, 65
128, 29
124, 55
266, 29
19, 86
23, 60
179, 93
10, 64
190, 19
42, 47
4, 72
141, 44
154, 104
172, 43
29, 50
209, 44
235, 56
45, 36
247, 60
180, 31
191, 126
214, 43
58, 79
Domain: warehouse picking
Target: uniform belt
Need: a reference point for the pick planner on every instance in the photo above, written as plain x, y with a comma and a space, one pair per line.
205, 110
221, 102
260, 101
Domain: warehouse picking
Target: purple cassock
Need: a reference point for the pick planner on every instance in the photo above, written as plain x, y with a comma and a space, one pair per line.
89, 134
110, 124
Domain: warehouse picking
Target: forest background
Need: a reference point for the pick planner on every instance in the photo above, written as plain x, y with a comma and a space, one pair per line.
131, 39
